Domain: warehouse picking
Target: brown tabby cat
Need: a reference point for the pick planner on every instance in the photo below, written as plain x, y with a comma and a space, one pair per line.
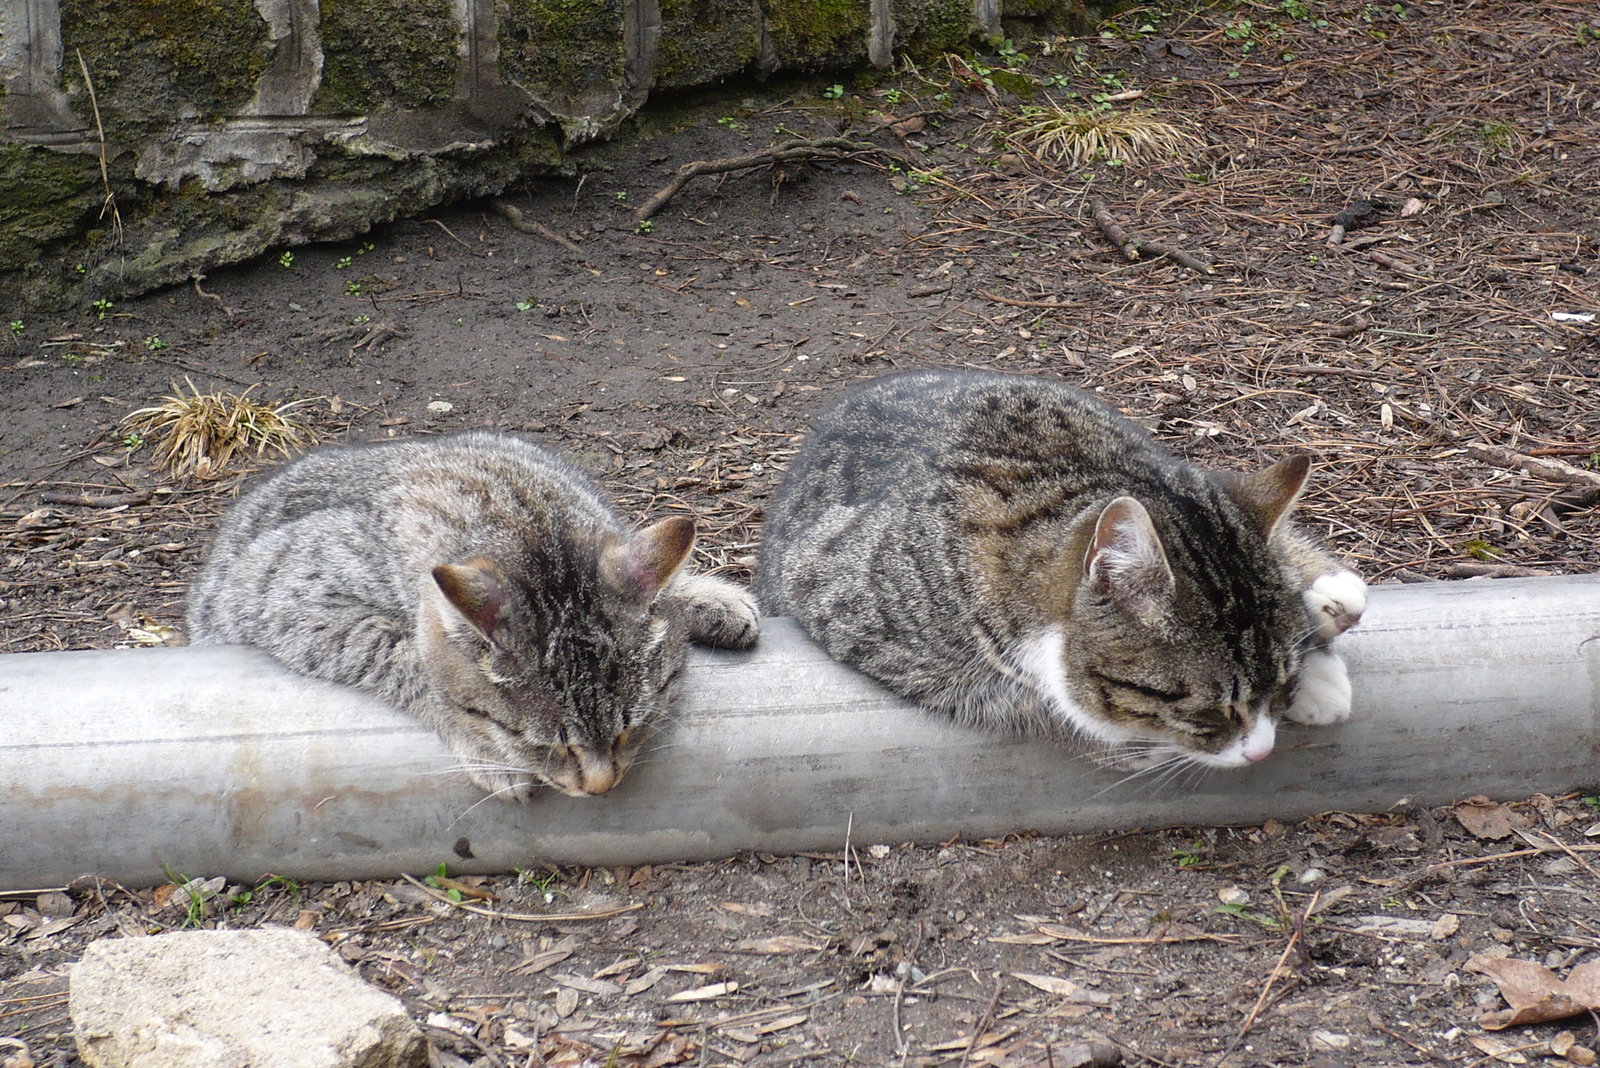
1010, 551
481, 584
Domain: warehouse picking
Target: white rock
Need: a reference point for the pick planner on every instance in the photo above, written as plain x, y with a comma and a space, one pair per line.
271, 998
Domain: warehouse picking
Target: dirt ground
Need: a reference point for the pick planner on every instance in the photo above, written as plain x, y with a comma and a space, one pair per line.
1452, 411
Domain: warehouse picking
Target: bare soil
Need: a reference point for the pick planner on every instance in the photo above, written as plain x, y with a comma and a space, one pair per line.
1419, 360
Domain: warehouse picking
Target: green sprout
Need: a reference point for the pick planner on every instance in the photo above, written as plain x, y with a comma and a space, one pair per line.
153, 343
344, 261
286, 260
833, 92
103, 305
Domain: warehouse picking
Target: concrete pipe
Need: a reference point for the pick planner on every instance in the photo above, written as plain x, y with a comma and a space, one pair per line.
215, 761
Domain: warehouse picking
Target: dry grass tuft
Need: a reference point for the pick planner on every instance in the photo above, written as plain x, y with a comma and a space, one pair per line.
198, 433
1078, 137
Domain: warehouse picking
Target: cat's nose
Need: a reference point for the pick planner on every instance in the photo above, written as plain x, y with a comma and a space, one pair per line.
1257, 745
597, 771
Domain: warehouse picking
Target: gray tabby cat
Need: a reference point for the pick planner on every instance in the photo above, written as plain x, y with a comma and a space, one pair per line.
481, 584
1011, 552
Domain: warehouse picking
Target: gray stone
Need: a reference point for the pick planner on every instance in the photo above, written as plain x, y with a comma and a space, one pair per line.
271, 998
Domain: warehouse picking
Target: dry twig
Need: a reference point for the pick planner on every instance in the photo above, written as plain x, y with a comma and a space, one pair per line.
787, 152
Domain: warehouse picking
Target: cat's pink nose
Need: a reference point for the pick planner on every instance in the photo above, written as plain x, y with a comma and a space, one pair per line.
1256, 756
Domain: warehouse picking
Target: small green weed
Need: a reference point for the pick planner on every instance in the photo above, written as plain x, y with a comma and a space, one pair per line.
286, 260
153, 343
1481, 549
644, 226
102, 305
353, 288
17, 327
833, 92
893, 96
526, 305
344, 261
443, 872
131, 441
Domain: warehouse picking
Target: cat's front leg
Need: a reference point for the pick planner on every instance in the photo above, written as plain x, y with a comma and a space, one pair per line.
1322, 690
1335, 602
717, 613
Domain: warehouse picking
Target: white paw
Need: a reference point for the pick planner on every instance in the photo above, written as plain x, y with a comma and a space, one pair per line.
1322, 692
1335, 603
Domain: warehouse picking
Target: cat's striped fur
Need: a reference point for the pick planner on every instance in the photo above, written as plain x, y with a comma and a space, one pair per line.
1010, 551
480, 583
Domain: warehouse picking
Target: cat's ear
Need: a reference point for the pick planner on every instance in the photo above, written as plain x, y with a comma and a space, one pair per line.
1266, 496
1126, 562
476, 589
646, 562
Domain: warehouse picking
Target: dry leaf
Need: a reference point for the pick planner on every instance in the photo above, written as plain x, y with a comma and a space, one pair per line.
540, 961
1049, 984
644, 982
705, 993
745, 910
1498, 1050
1484, 818
587, 985
1535, 993
777, 944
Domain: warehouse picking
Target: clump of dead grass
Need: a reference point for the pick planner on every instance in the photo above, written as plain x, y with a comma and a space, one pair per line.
1079, 137
198, 433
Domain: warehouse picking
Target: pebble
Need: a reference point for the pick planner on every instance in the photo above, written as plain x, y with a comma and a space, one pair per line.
1232, 895
1311, 876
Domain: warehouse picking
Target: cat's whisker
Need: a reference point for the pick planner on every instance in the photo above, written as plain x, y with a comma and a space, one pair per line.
485, 799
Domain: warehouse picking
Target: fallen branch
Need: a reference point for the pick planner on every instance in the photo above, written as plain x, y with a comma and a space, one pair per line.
1547, 468
1135, 247
1114, 233
789, 151
1492, 571
109, 500
518, 221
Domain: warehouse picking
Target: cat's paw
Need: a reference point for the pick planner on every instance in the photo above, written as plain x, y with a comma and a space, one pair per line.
718, 613
1335, 603
1322, 691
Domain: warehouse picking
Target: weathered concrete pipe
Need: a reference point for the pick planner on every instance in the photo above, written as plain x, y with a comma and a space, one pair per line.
131, 764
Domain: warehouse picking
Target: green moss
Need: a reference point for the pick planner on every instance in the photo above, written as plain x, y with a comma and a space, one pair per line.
704, 41
50, 196
396, 53
929, 27
1056, 16
153, 59
818, 34
566, 53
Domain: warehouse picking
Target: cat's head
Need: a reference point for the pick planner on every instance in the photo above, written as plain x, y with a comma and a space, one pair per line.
1186, 629
558, 664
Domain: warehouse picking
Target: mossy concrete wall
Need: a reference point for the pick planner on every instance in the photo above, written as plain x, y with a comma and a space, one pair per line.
143, 142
